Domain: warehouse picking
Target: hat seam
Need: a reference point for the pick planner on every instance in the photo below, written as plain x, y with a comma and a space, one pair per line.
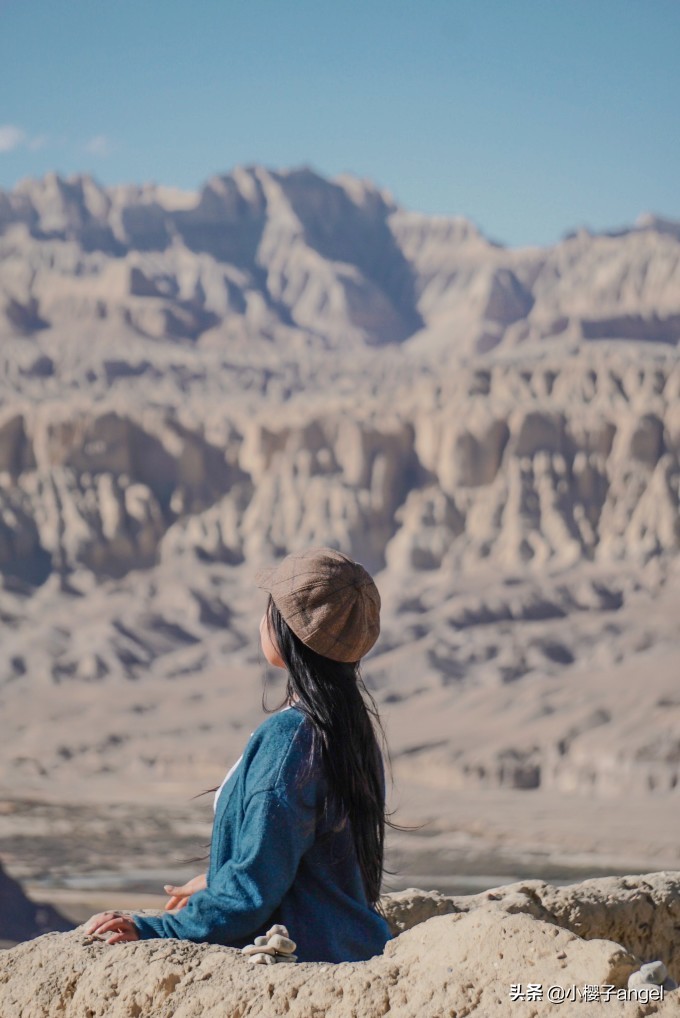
301, 611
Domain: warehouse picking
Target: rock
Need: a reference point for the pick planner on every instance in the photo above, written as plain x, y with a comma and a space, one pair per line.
453, 963
505, 299
654, 970
256, 949
23, 919
103, 490
278, 946
340, 262
262, 958
653, 973
638, 980
282, 944
405, 909
535, 431
638, 912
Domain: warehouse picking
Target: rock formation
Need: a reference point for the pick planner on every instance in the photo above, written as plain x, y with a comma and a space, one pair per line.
100, 490
492, 954
334, 260
542, 466
23, 919
638, 912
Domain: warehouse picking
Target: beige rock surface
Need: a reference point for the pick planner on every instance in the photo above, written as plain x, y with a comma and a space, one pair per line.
323, 263
457, 956
640, 912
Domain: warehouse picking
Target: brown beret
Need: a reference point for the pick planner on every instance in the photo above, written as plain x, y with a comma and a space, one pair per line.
329, 601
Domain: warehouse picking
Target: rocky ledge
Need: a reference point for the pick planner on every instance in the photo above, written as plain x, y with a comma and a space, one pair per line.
499, 952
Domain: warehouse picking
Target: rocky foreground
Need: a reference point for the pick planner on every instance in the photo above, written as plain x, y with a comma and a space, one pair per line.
483, 955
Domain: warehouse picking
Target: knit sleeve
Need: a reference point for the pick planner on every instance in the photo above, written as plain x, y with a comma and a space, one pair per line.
245, 891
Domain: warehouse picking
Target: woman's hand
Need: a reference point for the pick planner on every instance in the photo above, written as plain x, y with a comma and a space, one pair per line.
120, 927
179, 896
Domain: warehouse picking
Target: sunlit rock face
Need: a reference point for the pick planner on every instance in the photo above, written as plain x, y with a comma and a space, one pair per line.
335, 262
99, 490
539, 469
449, 955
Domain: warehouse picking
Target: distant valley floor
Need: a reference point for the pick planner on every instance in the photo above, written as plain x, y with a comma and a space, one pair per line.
69, 854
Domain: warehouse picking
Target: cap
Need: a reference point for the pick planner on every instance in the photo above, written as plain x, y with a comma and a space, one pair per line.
329, 601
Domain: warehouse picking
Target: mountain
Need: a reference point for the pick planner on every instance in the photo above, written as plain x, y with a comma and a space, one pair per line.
194, 385
302, 260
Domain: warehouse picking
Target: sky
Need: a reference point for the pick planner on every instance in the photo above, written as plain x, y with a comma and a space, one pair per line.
530, 117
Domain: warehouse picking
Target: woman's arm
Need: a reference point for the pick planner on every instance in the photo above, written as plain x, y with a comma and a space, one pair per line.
244, 892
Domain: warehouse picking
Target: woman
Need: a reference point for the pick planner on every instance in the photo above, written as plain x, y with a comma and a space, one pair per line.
298, 834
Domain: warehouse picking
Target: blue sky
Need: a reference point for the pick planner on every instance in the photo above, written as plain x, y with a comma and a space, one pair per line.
531, 117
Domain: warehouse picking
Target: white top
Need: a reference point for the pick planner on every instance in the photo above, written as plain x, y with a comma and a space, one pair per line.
233, 768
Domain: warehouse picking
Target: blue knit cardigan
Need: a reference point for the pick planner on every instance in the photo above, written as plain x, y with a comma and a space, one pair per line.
270, 863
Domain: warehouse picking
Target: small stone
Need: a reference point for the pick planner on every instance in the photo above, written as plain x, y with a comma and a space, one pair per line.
284, 945
638, 980
260, 941
258, 949
277, 929
654, 970
669, 984
285, 957
261, 959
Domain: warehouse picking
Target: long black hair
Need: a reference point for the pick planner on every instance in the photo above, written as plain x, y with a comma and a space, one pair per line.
348, 735
345, 729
